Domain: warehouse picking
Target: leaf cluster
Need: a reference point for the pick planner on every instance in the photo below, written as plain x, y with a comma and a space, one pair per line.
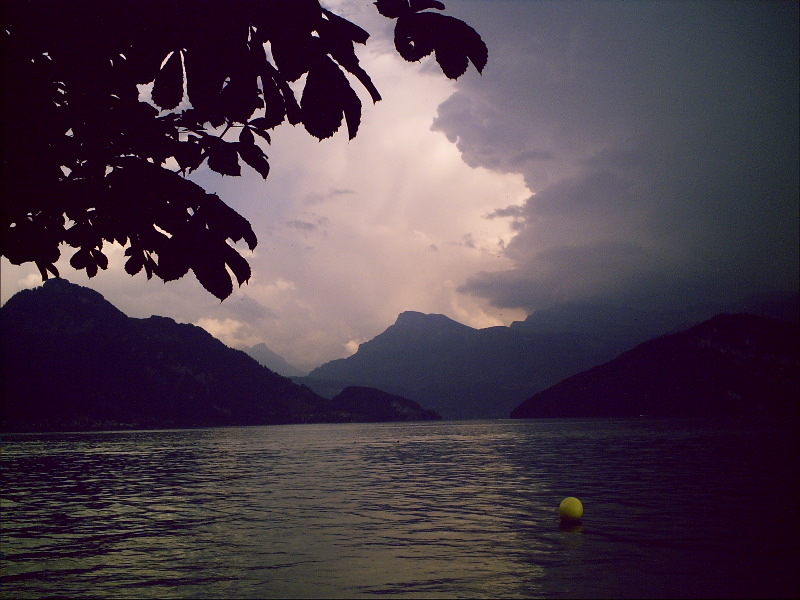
88, 159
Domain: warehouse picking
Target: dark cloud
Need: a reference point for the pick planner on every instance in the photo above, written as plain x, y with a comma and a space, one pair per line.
303, 226
659, 139
308, 227
561, 273
317, 198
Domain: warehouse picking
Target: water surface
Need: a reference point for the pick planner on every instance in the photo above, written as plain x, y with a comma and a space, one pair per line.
674, 508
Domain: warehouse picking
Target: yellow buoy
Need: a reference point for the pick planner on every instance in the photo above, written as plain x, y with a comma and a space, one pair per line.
570, 509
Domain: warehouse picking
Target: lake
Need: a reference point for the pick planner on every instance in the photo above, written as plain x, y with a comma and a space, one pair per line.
461, 509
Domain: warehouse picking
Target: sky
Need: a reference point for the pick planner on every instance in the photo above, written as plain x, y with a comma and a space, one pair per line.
639, 154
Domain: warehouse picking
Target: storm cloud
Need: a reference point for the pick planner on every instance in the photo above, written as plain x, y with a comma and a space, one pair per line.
659, 141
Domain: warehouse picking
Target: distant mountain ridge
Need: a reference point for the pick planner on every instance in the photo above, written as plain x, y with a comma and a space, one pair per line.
462, 372
72, 361
742, 365
459, 371
273, 361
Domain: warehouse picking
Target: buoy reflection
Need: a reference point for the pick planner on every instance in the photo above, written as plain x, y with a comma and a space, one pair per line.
570, 526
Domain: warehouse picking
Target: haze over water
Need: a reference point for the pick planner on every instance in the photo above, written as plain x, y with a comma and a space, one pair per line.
674, 508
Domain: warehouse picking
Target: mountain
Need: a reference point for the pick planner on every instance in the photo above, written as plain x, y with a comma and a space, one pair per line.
274, 362
456, 370
742, 365
466, 373
72, 361
376, 406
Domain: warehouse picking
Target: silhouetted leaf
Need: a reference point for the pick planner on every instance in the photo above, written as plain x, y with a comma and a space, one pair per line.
456, 43
253, 156
240, 98
205, 77
136, 261
328, 96
213, 276
81, 235
189, 154
453, 62
237, 264
222, 157
274, 105
293, 113
414, 36
173, 261
418, 5
294, 56
246, 136
393, 8
275, 94
260, 126
44, 267
287, 103
100, 259
337, 35
351, 30
84, 259
217, 215
80, 259
351, 106
149, 266
168, 86
417, 35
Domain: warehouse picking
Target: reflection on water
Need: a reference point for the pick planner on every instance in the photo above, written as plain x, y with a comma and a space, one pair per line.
444, 509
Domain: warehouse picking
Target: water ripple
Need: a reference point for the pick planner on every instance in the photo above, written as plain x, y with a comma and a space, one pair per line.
410, 510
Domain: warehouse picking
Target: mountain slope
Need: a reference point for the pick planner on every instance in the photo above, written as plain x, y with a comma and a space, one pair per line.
399, 355
728, 365
71, 361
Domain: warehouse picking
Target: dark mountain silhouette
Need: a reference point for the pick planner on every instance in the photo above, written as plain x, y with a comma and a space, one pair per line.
273, 361
458, 371
375, 406
742, 365
72, 361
